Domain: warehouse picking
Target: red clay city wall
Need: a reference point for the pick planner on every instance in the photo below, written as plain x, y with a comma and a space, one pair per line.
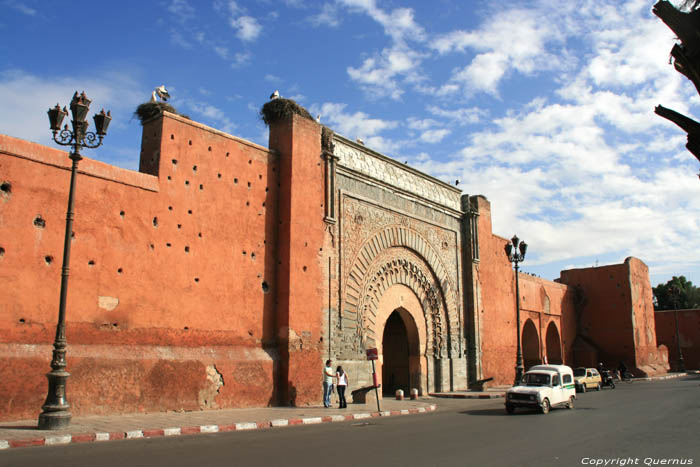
616, 317
171, 301
689, 332
301, 275
542, 303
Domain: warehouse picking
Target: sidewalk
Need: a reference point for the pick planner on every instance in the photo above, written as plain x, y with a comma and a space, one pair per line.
494, 392
110, 427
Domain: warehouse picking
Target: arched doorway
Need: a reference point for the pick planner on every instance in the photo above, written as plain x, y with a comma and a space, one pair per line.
553, 345
531, 345
400, 354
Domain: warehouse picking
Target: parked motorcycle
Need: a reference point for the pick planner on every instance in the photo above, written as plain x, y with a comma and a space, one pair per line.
606, 379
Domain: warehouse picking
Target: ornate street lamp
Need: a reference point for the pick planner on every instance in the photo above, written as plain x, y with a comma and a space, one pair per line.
515, 250
56, 413
676, 296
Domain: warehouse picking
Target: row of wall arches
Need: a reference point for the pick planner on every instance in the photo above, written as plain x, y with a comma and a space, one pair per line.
534, 353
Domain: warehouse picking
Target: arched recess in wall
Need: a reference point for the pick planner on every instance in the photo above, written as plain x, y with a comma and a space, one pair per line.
394, 256
400, 255
553, 343
531, 345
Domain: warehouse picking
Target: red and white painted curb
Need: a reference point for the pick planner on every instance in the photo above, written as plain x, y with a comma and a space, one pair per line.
191, 430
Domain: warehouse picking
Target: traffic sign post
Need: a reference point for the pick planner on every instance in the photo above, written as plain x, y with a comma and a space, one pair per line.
373, 355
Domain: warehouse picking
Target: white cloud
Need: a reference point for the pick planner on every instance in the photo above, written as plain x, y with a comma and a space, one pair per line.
247, 28
30, 96
240, 59
328, 16
181, 10
21, 7
434, 136
354, 125
380, 75
399, 24
463, 117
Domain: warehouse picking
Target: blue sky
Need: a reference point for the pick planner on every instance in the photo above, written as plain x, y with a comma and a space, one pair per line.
545, 107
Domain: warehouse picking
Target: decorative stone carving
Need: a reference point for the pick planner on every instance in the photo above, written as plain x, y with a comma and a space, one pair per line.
395, 175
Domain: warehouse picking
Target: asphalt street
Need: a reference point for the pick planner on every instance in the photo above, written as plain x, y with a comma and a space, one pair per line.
639, 423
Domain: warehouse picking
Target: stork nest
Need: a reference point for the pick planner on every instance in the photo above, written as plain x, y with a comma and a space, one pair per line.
148, 110
282, 109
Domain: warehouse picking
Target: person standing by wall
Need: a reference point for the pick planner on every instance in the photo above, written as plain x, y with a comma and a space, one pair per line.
342, 379
327, 384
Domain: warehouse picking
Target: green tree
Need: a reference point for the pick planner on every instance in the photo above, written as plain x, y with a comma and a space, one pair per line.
676, 294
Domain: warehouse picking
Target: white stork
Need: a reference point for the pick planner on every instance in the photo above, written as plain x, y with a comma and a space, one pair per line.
275, 95
161, 92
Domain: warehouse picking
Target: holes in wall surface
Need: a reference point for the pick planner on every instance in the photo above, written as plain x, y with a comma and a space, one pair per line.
194, 168
245, 252
2, 252
218, 175
152, 246
259, 176
189, 142
209, 149
252, 255
196, 279
201, 187
199, 234
155, 222
304, 269
172, 136
265, 287
91, 263
168, 244
22, 320
247, 203
235, 181
248, 184
169, 177
187, 249
39, 222
250, 161
170, 208
189, 211
48, 259
187, 182
227, 154
179, 226
120, 270
174, 161
5, 189
186, 328
122, 214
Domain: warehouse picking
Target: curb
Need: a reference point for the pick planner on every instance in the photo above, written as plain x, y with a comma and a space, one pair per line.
54, 440
468, 396
664, 377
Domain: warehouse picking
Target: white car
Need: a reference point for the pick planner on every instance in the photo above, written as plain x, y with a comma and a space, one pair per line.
543, 387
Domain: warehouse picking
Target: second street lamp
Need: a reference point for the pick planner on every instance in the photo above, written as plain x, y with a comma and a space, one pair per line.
55, 411
515, 250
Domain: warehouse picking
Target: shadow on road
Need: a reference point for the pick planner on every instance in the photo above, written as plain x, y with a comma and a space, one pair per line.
502, 412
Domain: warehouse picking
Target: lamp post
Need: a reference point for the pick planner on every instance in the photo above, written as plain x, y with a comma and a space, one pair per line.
515, 251
676, 295
56, 413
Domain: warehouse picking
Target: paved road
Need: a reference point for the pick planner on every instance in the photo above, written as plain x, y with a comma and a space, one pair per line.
644, 421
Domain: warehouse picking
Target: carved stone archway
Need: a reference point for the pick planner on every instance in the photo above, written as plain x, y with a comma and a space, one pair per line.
399, 255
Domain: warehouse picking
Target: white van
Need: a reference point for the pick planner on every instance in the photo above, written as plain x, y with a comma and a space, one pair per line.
543, 387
